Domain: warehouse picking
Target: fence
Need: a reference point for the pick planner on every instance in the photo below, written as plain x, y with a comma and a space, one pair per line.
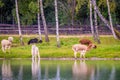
69, 30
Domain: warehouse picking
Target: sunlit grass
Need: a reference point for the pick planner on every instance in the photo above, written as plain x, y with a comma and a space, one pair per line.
109, 48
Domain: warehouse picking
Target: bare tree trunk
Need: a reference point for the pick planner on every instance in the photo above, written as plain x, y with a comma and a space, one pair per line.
57, 25
101, 17
18, 20
97, 39
44, 22
73, 11
39, 29
110, 19
91, 21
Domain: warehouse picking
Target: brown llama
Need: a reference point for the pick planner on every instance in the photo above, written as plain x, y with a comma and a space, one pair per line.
85, 41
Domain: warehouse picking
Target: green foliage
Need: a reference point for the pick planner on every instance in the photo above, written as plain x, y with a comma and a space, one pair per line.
33, 7
79, 11
102, 4
1, 4
80, 3
27, 12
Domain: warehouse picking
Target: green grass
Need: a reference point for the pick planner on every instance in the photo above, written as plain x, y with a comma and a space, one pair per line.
109, 48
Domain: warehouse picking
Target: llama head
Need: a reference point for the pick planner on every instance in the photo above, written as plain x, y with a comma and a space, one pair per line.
10, 39
91, 46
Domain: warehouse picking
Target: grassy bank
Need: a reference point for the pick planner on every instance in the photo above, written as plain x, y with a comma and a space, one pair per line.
109, 48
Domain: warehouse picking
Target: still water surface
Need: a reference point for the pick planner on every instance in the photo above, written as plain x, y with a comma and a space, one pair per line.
59, 70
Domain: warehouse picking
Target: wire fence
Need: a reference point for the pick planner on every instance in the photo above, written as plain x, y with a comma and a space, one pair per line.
66, 30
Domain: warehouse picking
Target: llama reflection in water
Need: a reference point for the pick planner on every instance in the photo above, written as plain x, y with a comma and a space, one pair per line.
36, 72
81, 71
6, 70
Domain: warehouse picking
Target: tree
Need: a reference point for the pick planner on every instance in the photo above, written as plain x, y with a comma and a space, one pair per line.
94, 26
73, 11
18, 20
91, 20
39, 30
97, 39
104, 20
110, 19
44, 22
57, 25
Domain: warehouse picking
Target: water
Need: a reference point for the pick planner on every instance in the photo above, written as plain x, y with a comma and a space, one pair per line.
59, 70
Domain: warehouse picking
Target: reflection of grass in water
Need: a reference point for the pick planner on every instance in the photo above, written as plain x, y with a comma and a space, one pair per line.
109, 48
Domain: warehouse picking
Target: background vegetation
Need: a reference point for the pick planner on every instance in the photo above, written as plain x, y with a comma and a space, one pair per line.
71, 12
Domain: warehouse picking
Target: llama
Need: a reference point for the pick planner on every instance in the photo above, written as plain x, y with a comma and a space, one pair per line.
82, 49
85, 41
35, 52
35, 40
6, 44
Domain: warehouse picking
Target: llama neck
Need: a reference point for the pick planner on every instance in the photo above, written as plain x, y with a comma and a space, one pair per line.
89, 47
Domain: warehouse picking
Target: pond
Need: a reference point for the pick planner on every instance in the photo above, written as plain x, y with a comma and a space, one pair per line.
27, 69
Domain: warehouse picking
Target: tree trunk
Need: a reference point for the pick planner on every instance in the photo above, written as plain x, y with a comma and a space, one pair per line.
57, 25
91, 21
97, 39
110, 19
73, 11
44, 22
101, 17
18, 20
39, 29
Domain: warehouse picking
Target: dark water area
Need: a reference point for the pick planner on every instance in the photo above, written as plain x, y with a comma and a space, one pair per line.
59, 70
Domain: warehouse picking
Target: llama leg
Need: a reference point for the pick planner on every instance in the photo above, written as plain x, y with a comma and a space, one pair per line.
81, 54
84, 52
75, 54
9, 49
6, 48
33, 56
3, 49
38, 55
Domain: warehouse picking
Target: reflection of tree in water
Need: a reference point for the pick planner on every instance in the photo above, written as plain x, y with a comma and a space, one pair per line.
20, 74
104, 73
58, 73
36, 72
47, 75
112, 74
6, 70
